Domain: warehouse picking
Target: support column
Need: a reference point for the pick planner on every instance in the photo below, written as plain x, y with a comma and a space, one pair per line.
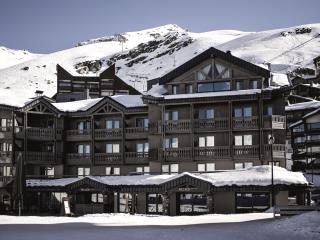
165, 204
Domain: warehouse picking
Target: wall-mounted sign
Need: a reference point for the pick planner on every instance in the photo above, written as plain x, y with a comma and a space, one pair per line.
187, 189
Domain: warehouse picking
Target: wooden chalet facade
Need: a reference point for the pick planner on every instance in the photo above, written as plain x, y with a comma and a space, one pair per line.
218, 113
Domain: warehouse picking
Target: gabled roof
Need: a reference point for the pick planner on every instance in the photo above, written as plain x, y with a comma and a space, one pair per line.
210, 53
42, 99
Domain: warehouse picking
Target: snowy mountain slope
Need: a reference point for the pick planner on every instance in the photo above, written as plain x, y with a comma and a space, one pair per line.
151, 53
10, 57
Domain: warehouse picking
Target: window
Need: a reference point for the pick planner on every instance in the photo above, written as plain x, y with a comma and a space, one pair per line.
142, 122
275, 163
49, 171
247, 140
239, 85
192, 203
171, 115
189, 88
207, 141
247, 111
5, 171
112, 148
243, 112
243, 140
112, 171
154, 203
206, 113
83, 171
170, 168
238, 112
84, 149
145, 170
174, 168
96, 198
254, 84
206, 167
221, 71
243, 165
84, 125
252, 202
238, 140
269, 110
213, 87
143, 147
175, 89
111, 124
171, 142
205, 73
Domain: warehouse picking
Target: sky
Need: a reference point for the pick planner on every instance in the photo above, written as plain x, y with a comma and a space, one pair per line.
44, 26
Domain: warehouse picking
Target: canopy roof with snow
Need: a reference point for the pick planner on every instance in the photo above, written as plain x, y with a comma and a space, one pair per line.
258, 176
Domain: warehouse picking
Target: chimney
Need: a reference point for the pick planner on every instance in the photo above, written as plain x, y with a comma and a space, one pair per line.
228, 52
38, 93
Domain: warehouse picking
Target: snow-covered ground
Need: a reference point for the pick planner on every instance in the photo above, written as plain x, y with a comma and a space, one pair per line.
121, 219
120, 226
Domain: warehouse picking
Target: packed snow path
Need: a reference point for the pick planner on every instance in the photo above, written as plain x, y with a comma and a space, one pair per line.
305, 226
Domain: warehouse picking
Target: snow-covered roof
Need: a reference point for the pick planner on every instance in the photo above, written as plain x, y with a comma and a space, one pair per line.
303, 105
129, 101
76, 106
254, 176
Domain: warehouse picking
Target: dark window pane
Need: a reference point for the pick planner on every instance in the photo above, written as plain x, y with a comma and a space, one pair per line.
221, 86
205, 87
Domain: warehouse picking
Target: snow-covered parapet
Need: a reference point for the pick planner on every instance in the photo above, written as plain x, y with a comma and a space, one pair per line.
157, 90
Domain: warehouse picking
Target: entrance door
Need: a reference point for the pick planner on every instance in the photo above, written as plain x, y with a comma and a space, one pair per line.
192, 204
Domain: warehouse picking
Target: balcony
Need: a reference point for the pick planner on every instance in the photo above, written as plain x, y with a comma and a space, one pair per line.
78, 158
278, 150
243, 152
43, 134
137, 157
4, 180
174, 126
274, 122
43, 158
104, 134
177, 154
203, 125
78, 135
107, 158
209, 153
5, 156
137, 132
240, 123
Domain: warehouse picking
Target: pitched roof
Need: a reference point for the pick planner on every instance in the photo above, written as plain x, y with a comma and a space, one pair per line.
210, 53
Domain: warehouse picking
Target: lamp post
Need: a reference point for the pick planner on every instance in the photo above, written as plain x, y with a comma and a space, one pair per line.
271, 142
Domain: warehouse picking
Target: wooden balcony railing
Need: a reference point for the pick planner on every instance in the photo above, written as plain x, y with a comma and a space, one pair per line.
173, 126
104, 133
43, 157
211, 124
78, 158
107, 158
137, 157
249, 151
274, 121
177, 154
277, 149
5, 154
77, 134
245, 122
136, 132
43, 133
207, 153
